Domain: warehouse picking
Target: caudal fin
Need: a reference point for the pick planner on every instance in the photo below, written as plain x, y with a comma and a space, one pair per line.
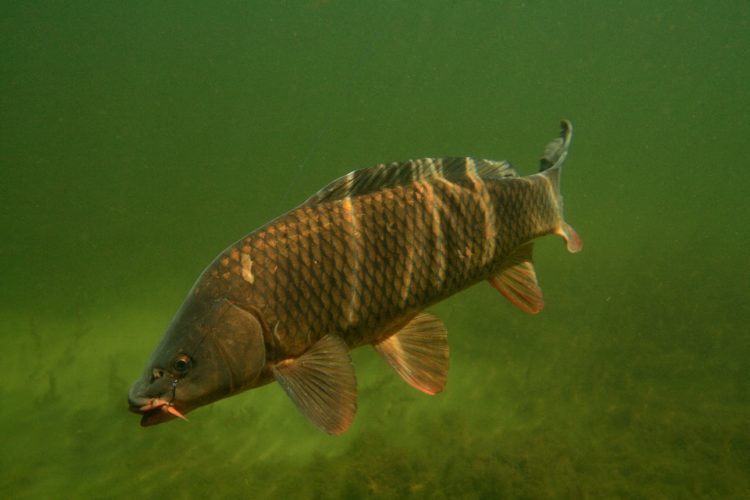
550, 166
556, 151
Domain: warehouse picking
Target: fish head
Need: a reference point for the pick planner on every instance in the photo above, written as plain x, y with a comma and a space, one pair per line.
209, 352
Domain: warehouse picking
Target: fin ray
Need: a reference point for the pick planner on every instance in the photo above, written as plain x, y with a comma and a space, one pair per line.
390, 175
322, 384
557, 149
550, 166
419, 353
517, 281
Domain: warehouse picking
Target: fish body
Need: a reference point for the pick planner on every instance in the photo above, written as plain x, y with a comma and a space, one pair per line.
356, 264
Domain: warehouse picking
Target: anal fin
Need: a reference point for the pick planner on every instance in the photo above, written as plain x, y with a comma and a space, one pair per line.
516, 280
322, 384
419, 353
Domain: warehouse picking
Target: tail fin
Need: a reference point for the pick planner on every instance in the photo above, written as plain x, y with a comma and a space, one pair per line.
556, 151
550, 166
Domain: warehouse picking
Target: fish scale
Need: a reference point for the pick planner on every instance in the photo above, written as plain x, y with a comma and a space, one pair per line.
310, 295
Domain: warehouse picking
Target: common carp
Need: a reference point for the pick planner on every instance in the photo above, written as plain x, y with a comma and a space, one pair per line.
356, 264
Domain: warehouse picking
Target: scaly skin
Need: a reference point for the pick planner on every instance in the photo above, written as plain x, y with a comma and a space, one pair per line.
362, 266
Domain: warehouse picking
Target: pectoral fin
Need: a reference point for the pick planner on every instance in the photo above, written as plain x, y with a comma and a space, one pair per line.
516, 280
419, 353
322, 384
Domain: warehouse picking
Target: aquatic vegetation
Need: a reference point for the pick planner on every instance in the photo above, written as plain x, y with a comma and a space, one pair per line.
587, 419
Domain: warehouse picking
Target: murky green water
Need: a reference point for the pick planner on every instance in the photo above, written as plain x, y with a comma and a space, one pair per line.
140, 139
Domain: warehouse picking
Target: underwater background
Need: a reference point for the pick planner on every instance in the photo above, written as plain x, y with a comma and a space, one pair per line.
139, 139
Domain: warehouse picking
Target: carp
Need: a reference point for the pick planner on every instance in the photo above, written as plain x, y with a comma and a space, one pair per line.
356, 264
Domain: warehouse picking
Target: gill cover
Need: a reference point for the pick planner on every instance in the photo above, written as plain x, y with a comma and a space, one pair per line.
237, 337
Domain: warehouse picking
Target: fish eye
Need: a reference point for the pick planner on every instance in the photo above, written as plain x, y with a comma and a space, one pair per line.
181, 364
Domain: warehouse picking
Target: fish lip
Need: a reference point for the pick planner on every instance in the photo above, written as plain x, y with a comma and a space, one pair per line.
145, 405
156, 402
151, 409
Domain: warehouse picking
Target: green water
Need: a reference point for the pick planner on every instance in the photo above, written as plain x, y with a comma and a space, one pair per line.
138, 139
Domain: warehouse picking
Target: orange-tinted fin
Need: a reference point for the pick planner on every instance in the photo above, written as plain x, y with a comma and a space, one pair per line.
550, 167
572, 240
419, 353
322, 384
516, 280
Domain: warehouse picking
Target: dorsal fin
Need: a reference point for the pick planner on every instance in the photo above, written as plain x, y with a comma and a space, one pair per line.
492, 169
390, 175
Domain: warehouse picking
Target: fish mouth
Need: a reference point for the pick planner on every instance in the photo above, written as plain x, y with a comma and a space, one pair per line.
155, 411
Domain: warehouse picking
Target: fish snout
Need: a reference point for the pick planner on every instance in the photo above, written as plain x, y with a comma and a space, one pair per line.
154, 409
137, 396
